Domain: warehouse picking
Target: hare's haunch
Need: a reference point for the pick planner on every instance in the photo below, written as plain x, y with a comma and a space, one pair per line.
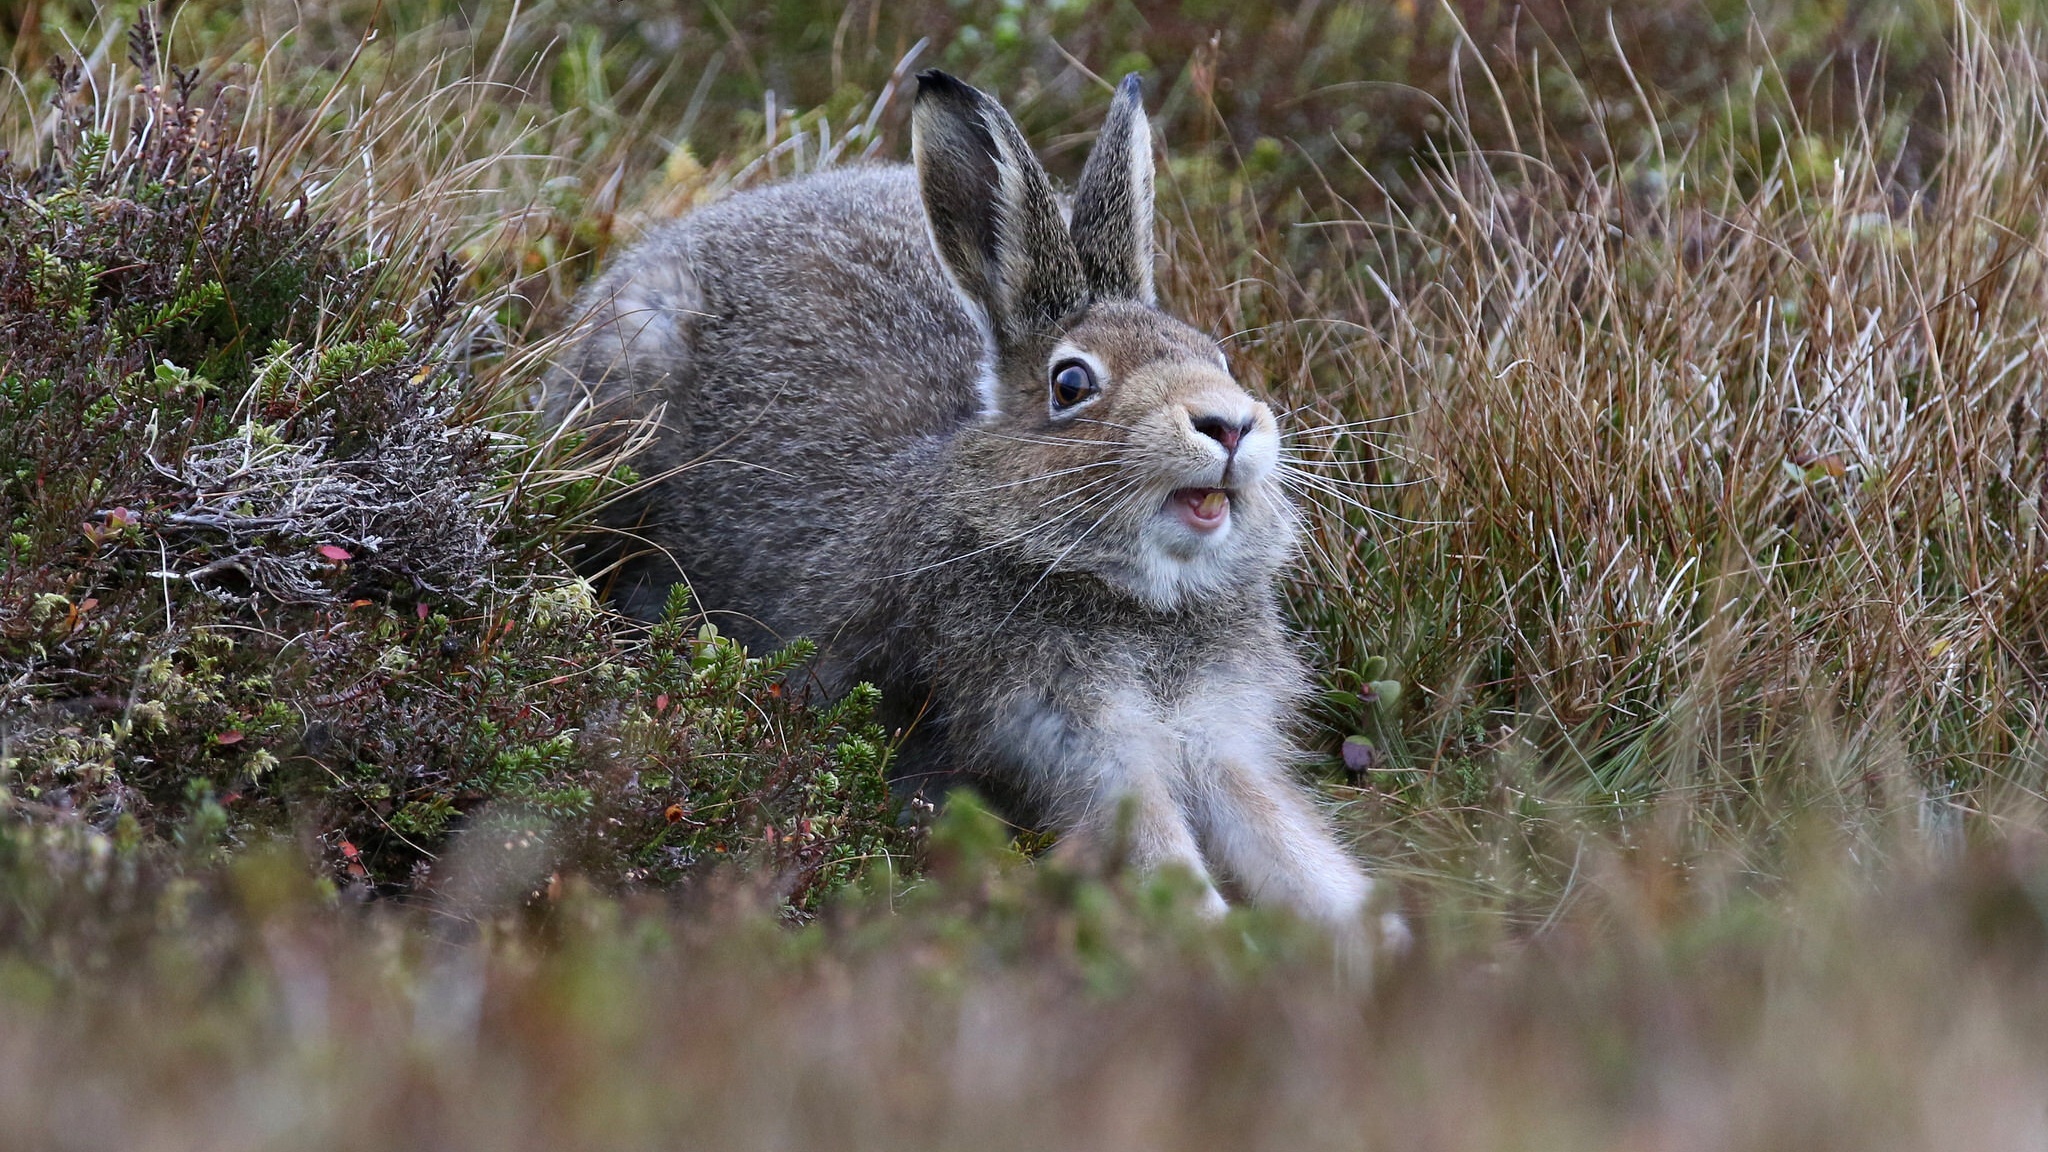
932, 419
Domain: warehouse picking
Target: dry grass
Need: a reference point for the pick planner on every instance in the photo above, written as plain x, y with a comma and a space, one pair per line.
1680, 447
1717, 478
1692, 484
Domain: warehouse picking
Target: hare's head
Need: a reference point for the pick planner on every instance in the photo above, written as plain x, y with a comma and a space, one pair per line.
1114, 439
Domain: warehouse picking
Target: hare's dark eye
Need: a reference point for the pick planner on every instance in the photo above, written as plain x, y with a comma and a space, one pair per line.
1072, 382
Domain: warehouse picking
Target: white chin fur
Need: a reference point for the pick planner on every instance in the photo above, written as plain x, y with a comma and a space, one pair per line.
1176, 562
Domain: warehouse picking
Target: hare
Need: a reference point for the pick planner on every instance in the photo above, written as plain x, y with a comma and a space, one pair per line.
932, 418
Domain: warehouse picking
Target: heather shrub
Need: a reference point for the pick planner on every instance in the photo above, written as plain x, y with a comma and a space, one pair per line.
281, 561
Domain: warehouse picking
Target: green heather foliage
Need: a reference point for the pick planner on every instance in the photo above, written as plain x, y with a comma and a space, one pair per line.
270, 569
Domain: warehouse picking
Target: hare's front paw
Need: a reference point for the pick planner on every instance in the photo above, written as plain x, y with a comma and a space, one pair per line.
1369, 942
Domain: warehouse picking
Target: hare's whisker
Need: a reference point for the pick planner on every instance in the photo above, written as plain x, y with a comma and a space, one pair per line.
1046, 441
1052, 475
1084, 506
1093, 483
1297, 464
1324, 455
1314, 541
1321, 484
1339, 497
1342, 425
1064, 553
1093, 501
1307, 441
1309, 483
1105, 423
1335, 434
1315, 481
1334, 450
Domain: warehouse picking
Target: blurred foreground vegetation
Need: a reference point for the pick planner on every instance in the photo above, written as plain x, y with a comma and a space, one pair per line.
1669, 387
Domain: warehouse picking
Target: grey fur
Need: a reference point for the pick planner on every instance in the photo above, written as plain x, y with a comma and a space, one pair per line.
856, 444
1112, 218
992, 212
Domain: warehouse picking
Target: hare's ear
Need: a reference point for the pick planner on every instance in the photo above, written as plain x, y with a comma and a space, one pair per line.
992, 211
1113, 204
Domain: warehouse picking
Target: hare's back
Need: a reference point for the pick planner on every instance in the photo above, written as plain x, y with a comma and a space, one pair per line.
802, 348
813, 311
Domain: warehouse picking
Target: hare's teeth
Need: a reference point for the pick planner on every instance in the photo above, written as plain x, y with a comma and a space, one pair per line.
1202, 509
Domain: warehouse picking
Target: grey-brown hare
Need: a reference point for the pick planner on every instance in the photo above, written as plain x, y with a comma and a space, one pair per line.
932, 418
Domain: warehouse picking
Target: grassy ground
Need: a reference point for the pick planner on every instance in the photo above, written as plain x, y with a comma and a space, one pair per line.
1668, 384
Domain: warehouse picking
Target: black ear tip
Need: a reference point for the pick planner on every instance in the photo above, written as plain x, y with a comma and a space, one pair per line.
933, 82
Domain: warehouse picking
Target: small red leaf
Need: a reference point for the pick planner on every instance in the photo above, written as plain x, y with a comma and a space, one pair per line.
231, 736
673, 814
420, 609
661, 704
348, 851
335, 553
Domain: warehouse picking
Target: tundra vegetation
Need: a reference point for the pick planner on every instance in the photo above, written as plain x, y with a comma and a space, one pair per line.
1669, 390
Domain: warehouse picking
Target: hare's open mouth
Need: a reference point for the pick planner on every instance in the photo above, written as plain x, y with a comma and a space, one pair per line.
1202, 509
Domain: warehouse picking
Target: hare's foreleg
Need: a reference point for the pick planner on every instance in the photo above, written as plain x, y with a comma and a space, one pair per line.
1255, 823
1265, 834
1135, 815
1115, 789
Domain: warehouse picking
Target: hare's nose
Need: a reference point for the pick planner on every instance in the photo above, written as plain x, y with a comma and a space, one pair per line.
1223, 431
